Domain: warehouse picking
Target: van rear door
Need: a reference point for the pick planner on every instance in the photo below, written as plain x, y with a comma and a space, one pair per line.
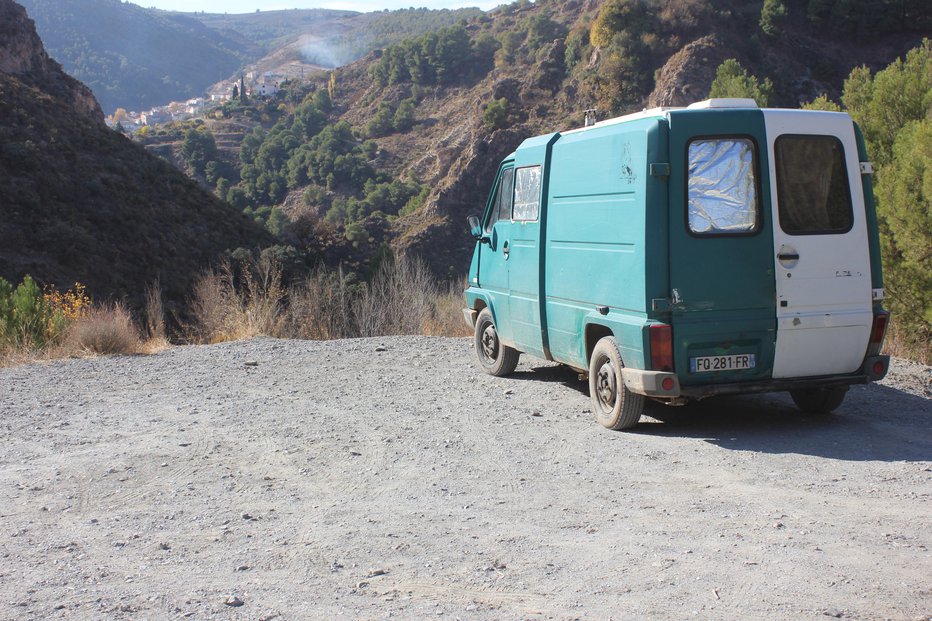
721, 246
822, 264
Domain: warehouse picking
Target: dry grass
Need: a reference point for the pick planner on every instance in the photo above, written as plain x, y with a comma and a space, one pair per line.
248, 300
320, 307
105, 329
447, 317
233, 304
903, 345
156, 334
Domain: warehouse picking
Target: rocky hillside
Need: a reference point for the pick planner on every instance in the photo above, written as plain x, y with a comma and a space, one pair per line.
136, 58
79, 202
525, 69
133, 57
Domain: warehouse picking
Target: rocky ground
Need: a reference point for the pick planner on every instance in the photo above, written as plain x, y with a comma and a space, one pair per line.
368, 479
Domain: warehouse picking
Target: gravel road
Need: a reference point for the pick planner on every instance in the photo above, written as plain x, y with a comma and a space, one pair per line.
377, 478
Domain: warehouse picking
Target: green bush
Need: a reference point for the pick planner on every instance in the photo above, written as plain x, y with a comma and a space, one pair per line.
732, 80
496, 114
27, 318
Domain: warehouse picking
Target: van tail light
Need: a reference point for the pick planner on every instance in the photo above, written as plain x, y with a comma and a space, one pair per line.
661, 347
878, 332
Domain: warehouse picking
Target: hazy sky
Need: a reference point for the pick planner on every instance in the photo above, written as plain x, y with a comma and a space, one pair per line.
250, 6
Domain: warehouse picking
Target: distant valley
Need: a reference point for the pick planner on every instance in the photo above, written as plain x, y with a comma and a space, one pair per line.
137, 58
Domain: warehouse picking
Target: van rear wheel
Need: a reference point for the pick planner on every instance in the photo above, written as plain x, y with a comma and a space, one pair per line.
495, 357
819, 400
615, 406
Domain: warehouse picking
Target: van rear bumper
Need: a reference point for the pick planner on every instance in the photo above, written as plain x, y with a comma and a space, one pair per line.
873, 369
650, 383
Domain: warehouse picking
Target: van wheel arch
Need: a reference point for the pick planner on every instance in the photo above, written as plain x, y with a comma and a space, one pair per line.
594, 333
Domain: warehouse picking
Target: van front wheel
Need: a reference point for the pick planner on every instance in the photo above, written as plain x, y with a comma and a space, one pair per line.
819, 400
495, 357
615, 406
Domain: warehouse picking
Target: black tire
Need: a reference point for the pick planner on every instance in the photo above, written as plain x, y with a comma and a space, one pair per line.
819, 400
495, 357
614, 406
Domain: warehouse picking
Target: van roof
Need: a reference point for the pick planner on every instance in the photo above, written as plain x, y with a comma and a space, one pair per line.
717, 103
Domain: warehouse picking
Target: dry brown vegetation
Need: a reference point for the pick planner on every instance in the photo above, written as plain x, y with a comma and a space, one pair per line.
243, 300
246, 300
105, 329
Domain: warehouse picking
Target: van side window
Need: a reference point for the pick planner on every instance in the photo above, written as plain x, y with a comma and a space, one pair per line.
501, 209
527, 193
812, 185
722, 187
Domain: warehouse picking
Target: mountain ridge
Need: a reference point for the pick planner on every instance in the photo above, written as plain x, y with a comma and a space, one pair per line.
80, 202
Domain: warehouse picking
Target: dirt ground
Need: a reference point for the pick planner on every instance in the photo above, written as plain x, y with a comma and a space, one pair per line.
390, 478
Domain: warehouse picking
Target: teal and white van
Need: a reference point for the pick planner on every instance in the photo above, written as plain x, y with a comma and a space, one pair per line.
680, 253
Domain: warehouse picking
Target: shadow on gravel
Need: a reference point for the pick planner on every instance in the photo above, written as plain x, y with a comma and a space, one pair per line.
554, 373
875, 423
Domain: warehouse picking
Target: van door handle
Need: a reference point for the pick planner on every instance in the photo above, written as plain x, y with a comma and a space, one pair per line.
505, 249
788, 256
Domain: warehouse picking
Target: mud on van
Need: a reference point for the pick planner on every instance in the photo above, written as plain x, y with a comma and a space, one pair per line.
680, 253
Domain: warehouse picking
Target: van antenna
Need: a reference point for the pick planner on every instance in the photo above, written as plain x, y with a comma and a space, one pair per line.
591, 116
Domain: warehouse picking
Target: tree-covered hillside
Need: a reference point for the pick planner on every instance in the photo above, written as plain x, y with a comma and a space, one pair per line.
132, 57
136, 58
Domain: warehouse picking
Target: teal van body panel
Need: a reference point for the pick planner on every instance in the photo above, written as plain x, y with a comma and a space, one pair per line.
873, 232
595, 247
665, 230
722, 285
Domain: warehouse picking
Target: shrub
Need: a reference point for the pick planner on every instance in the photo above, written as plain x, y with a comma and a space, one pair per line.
105, 329
239, 302
31, 319
496, 114
732, 80
771, 17
155, 317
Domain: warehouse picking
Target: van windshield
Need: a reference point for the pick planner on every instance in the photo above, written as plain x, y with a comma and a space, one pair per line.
501, 208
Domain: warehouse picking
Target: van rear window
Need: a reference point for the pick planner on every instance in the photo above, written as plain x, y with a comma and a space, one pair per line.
812, 185
722, 187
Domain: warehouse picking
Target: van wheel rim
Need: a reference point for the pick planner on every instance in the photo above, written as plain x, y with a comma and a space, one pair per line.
606, 388
490, 342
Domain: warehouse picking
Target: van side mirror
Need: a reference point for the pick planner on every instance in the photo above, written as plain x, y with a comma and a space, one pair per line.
475, 227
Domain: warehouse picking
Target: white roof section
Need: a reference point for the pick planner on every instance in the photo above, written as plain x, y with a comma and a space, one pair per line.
723, 102
719, 103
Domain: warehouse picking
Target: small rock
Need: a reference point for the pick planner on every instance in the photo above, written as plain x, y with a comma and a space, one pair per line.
536, 414
251, 363
381, 348
362, 584
833, 612
509, 392
377, 572
247, 516
242, 568
164, 546
234, 601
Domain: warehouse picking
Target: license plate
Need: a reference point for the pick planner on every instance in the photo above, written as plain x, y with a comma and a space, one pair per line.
731, 362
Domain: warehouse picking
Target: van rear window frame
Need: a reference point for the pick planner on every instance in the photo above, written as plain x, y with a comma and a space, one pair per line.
758, 205
780, 187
